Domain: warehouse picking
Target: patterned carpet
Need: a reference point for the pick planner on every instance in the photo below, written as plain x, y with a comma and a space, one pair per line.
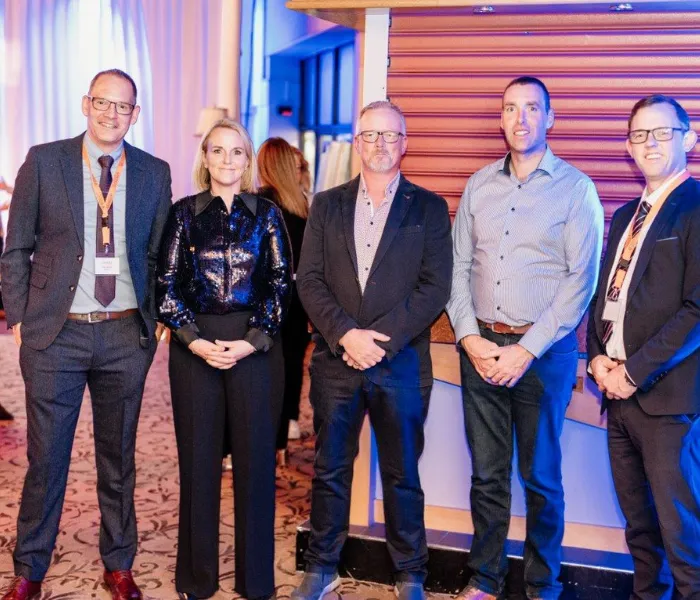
76, 569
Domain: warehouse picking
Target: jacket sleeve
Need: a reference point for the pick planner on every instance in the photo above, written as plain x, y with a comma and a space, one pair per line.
20, 240
157, 228
432, 291
276, 285
325, 313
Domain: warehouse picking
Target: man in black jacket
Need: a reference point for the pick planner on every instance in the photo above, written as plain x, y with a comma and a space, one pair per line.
644, 348
374, 274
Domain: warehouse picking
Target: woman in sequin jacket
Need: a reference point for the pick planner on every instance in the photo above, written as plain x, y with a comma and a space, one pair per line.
224, 285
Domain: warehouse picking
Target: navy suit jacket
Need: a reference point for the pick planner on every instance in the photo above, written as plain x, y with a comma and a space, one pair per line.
662, 316
407, 288
45, 238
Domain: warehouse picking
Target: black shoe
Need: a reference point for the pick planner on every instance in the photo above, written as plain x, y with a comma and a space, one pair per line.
4, 415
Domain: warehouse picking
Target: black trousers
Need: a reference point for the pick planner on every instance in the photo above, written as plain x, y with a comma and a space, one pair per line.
397, 416
655, 464
246, 402
108, 358
295, 339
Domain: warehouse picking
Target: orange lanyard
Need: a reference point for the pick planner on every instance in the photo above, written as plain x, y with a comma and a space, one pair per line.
632, 240
105, 203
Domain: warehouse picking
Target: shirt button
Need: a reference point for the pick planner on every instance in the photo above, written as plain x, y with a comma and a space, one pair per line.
371, 222
368, 204
366, 268
501, 257
369, 245
498, 308
512, 210
498, 283
507, 232
520, 186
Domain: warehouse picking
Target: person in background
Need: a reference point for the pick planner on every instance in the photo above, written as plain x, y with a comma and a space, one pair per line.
277, 165
304, 174
5, 415
224, 281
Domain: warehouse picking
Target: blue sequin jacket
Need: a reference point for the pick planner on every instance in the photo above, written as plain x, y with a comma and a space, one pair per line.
213, 262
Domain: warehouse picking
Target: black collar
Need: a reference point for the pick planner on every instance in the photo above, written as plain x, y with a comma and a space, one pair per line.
205, 198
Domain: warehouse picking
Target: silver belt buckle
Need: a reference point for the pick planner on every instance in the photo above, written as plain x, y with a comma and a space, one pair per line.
90, 318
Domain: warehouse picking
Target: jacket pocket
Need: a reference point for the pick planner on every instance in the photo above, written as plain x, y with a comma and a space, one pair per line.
38, 280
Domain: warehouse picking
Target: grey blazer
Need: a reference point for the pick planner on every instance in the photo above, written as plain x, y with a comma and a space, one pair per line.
45, 238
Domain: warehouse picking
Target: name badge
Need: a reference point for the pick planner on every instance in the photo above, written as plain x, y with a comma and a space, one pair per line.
106, 266
611, 311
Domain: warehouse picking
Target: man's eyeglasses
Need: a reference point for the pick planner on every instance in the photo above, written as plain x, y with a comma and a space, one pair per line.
661, 134
390, 137
102, 104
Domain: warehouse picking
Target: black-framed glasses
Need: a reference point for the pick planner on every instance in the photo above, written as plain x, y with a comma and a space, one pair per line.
371, 136
661, 134
102, 104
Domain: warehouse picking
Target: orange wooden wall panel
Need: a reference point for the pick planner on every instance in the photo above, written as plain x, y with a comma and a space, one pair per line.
449, 67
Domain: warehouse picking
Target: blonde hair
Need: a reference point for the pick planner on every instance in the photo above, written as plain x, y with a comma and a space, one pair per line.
278, 170
200, 174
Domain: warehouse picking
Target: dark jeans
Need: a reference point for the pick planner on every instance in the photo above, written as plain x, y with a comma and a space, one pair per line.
534, 411
655, 462
397, 416
243, 403
108, 358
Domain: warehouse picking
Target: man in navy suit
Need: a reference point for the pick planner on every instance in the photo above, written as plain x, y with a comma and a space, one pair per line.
375, 272
644, 351
78, 277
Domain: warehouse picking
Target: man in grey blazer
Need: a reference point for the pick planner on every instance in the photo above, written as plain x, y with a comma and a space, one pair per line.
78, 275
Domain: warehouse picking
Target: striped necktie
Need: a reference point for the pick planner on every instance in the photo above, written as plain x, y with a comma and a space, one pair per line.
622, 265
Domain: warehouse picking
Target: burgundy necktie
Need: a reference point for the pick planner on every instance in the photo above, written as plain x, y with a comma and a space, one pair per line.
105, 285
613, 291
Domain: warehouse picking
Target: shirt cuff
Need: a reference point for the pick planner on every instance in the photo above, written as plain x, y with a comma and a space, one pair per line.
535, 343
188, 333
629, 379
259, 340
465, 327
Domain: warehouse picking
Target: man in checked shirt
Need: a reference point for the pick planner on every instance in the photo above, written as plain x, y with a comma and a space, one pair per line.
527, 242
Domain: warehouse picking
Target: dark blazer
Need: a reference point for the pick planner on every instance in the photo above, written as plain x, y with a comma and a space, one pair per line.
44, 245
408, 284
662, 318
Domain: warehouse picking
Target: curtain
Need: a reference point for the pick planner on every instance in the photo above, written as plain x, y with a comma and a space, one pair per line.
183, 39
51, 49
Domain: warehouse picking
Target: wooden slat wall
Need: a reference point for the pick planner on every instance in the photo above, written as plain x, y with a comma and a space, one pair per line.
448, 70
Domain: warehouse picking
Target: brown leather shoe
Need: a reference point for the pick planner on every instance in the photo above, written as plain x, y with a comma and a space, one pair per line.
22, 589
473, 593
122, 586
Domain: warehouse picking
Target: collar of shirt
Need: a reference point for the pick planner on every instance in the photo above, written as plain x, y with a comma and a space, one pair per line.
652, 197
205, 199
546, 163
389, 191
94, 151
